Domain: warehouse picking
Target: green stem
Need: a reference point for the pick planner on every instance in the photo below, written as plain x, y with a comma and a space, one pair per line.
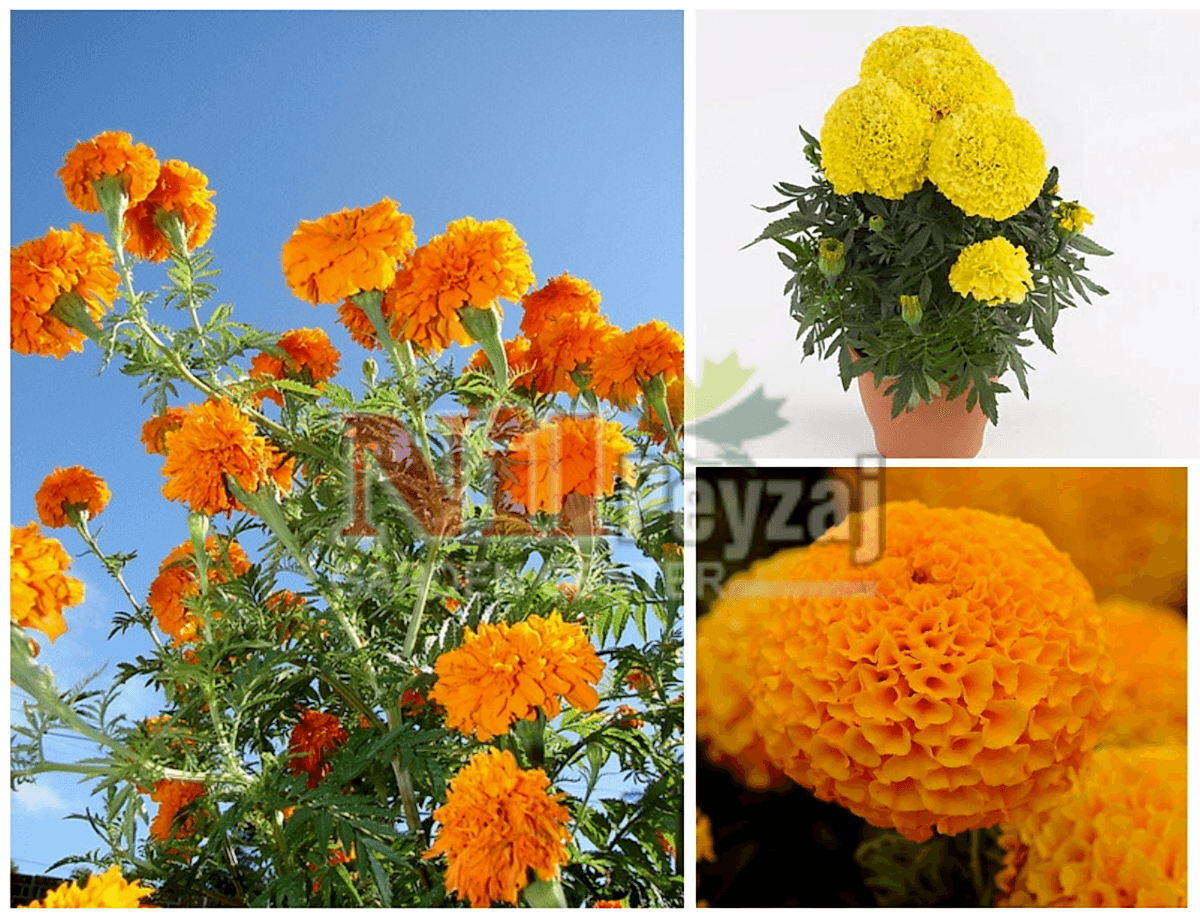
414, 623
114, 571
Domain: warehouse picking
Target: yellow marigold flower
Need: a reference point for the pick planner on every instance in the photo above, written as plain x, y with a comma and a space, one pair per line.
875, 139
1072, 217
650, 420
704, 839
569, 345
173, 796
945, 81
635, 357
987, 160
314, 739
1149, 652
1118, 839
105, 890
562, 296
311, 359
563, 457
886, 52
182, 190
498, 822
176, 583
504, 673
64, 488
39, 588
110, 153
44, 270
992, 272
471, 264
342, 254
216, 439
155, 430
956, 682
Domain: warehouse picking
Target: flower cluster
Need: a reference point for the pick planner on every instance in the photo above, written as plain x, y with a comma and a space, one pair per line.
181, 191
957, 681
64, 489
39, 586
106, 890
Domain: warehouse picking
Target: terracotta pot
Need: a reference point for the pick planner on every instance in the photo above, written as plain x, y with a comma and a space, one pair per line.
939, 429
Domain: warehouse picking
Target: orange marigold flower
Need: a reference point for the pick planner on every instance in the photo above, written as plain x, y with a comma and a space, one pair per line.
110, 153
216, 439
704, 839
105, 890
497, 823
626, 716
471, 264
44, 270
609, 903
562, 296
182, 190
562, 457
568, 346
650, 420
155, 430
311, 359
39, 588
1117, 839
506, 672
176, 583
633, 359
639, 681
665, 844
314, 739
955, 682
1149, 653
71, 487
173, 796
342, 254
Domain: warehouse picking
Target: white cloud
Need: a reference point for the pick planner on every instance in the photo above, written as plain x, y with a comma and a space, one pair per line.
37, 798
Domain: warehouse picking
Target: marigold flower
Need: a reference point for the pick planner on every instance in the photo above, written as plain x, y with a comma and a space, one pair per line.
314, 739
609, 903
562, 296
504, 673
1149, 652
216, 439
635, 357
342, 254
110, 153
44, 270
1118, 839
497, 823
945, 81
39, 588
176, 582
568, 346
627, 716
704, 839
987, 160
959, 686
155, 430
70, 487
875, 139
182, 190
173, 796
1072, 217
311, 359
563, 457
471, 264
992, 272
639, 681
105, 890
888, 50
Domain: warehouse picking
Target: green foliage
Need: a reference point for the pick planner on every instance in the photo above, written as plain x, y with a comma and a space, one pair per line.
945, 870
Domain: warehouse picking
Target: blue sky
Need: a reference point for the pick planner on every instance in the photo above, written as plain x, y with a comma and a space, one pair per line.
568, 125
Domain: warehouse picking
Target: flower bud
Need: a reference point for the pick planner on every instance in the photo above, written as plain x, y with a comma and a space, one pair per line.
483, 325
910, 309
876, 223
831, 258
1071, 219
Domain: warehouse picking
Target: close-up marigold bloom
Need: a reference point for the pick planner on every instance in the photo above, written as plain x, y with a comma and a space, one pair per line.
173, 796
886, 52
110, 153
176, 582
875, 139
70, 487
104, 890
1072, 217
42, 271
342, 254
503, 673
471, 264
498, 822
182, 190
569, 345
314, 739
956, 682
39, 588
311, 359
945, 81
987, 160
560, 297
634, 358
1117, 839
1149, 653
155, 430
216, 439
992, 272
562, 457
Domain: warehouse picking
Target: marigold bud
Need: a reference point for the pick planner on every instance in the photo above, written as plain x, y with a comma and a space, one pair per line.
876, 223
910, 309
831, 258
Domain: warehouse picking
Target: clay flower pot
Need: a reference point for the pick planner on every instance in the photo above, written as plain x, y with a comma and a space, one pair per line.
939, 429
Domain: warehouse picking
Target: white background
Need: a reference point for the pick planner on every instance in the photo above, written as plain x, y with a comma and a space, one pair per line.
1113, 95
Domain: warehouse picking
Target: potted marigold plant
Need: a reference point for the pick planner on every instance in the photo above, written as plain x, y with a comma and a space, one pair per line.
395, 647
930, 243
